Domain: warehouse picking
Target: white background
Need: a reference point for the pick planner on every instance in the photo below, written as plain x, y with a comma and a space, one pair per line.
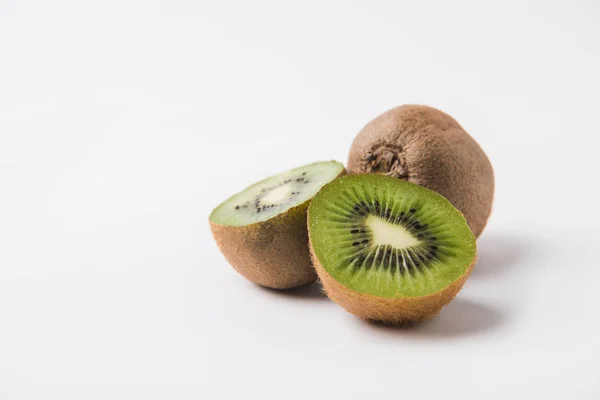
123, 123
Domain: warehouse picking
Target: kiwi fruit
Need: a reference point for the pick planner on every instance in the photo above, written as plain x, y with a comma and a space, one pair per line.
388, 250
262, 230
428, 147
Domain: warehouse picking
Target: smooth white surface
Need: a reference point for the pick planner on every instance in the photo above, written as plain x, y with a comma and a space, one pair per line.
123, 123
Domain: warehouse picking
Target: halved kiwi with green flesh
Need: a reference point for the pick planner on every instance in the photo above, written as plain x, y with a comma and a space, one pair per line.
388, 250
262, 230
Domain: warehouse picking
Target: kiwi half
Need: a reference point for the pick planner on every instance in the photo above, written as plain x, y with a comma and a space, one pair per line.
388, 250
428, 147
262, 230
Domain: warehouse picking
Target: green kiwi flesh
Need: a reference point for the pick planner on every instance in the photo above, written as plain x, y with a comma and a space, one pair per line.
390, 239
275, 195
262, 230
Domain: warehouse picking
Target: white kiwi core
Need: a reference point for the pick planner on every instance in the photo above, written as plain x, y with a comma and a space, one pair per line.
386, 233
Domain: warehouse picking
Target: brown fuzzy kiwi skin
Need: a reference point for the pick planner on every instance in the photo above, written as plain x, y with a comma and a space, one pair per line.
428, 147
272, 253
401, 310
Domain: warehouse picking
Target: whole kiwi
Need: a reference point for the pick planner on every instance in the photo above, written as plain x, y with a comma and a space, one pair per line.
428, 147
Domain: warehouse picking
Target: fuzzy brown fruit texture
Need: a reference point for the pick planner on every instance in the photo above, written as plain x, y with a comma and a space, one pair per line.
272, 253
428, 147
400, 310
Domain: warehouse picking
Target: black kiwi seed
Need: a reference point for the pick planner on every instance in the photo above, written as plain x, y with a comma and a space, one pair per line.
391, 261
412, 210
354, 231
371, 259
361, 259
384, 250
414, 259
355, 243
365, 241
237, 207
394, 265
383, 257
356, 207
379, 257
406, 264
